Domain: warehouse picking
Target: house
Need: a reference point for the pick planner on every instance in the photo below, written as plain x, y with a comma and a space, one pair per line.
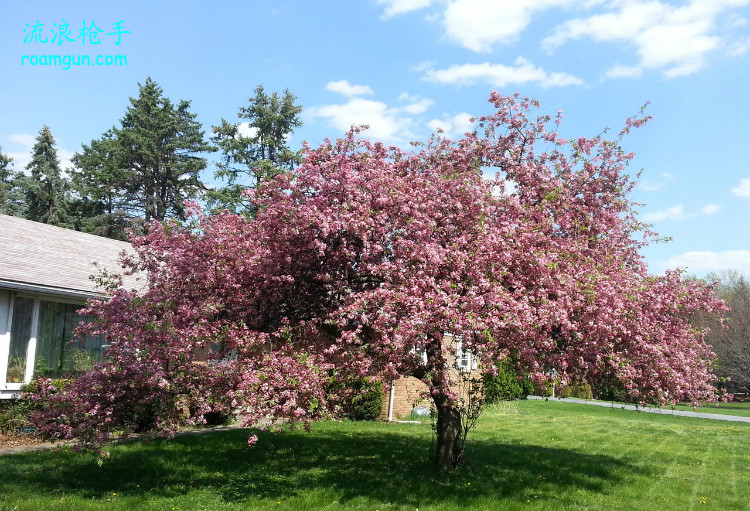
403, 395
44, 280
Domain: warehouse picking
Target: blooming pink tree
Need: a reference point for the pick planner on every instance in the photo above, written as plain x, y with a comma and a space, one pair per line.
371, 261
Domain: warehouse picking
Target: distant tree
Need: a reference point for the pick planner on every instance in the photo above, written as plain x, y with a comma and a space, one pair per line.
732, 344
5, 170
11, 198
100, 180
145, 169
252, 156
45, 188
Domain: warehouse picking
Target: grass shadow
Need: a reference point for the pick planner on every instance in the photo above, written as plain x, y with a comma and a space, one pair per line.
378, 462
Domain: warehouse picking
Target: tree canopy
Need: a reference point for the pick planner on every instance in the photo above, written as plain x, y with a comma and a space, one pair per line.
45, 188
11, 197
146, 168
370, 260
732, 344
256, 152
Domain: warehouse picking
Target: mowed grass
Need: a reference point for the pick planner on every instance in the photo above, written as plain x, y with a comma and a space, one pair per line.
741, 409
536, 455
737, 408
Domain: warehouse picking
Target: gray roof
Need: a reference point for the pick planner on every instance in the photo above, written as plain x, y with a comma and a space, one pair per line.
43, 258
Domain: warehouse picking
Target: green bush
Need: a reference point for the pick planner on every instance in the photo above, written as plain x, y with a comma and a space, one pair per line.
14, 416
362, 398
366, 406
610, 390
505, 386
544, 390
578, 391
15, 413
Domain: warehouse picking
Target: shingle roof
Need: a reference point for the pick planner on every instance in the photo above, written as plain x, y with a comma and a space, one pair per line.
41, 257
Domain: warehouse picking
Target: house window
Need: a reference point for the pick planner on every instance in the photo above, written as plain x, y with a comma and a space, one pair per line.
43, 331
20, 336
57, 352
465, 360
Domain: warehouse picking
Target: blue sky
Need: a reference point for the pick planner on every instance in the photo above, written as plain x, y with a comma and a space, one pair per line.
407, 66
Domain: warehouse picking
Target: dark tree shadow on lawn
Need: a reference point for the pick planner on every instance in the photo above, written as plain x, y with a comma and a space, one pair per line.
381, 464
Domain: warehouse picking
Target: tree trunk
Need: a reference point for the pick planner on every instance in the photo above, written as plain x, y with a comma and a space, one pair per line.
450, 444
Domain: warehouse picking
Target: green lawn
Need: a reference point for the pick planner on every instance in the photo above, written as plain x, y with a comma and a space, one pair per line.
537, 456
733, 408
741, 409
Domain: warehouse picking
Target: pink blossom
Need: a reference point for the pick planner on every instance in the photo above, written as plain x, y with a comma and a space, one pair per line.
366, 254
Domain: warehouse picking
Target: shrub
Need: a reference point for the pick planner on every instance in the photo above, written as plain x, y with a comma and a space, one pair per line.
610, 390
364, 398
544, 390
505, 386
14, 416
17, 415
579, 391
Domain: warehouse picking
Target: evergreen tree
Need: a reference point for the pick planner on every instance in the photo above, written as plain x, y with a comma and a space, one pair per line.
145, 169
100, 181
252, 156
11, 199
45, 188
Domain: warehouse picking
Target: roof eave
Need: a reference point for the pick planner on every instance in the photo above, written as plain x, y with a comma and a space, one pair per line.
50, 290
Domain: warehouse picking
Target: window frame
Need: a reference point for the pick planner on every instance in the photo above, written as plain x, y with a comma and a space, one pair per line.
31, 348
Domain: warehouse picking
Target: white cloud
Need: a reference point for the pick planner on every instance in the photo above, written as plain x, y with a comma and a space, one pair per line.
23, 139
415, 104
498, 75
618, 71
390, 124
20, 159
424, 66
385, 123
735, 21
678, 213
479, 24
706, 261
394, 7
673, 213
347, 89
710, 209
738, 48
673, 39
651, 186
743, 189
245, 130
64, 155
453, 126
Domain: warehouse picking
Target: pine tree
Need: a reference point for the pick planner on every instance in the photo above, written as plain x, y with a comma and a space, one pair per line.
11, 200
248, 159
145, 169
100, 182
45, 188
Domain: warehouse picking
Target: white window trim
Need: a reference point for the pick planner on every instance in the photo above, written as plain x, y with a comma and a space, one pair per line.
421, 351
5, 348
465, 360
31, 347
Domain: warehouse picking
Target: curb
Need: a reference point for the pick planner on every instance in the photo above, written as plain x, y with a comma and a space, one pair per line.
680, 413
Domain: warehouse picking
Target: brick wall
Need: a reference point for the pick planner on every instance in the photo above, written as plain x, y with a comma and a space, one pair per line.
408, 390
